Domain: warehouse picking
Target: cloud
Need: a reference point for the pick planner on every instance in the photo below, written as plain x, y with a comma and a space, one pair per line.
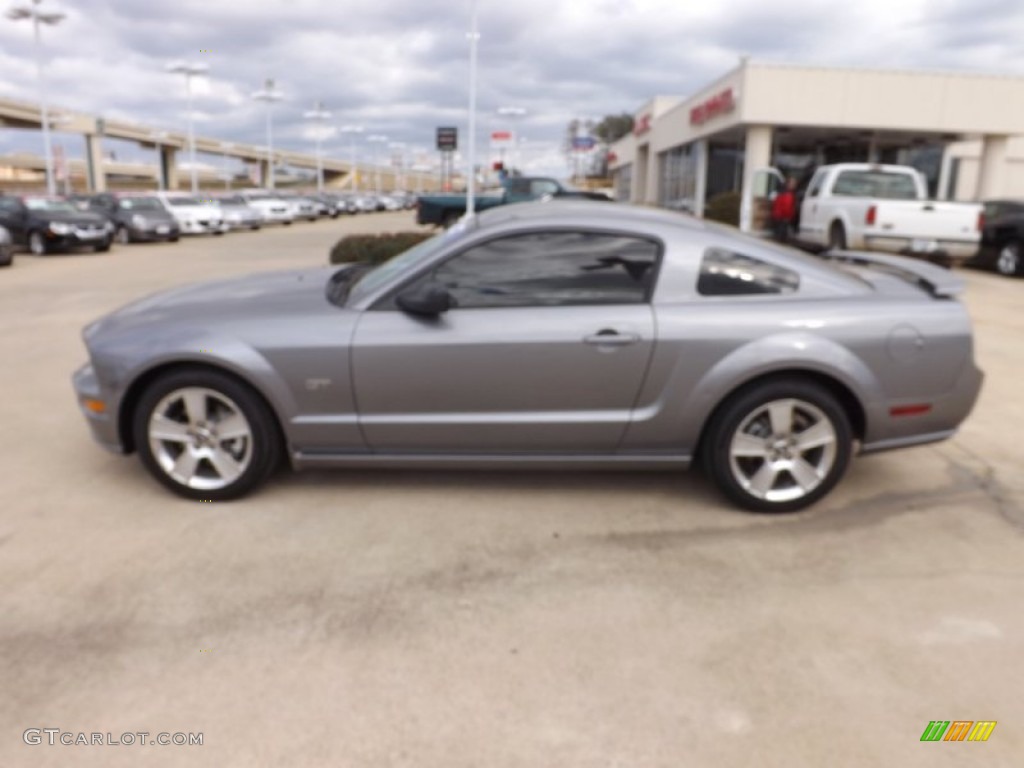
400, 67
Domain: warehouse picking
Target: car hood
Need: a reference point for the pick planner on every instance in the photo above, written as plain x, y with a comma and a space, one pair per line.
221, 302
195, 211
78, 219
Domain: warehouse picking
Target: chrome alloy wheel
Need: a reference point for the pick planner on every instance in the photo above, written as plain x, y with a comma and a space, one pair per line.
200, 438
1008, 262
783, 450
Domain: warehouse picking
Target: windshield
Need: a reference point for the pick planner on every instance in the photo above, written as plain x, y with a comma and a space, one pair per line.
180, 201
231, 201
260, 198
379, 276
140, 204
880, 184
40, 204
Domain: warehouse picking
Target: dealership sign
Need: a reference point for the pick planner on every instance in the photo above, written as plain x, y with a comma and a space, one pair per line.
447, 139
643, 125
583, 143
719, 104
501, 138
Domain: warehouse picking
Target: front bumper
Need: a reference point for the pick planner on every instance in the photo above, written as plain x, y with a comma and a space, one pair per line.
203, 226
152, 232
77, 239
102, 425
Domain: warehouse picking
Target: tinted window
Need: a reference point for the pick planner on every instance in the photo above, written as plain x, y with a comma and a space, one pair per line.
141, 204
724, 273
543, 187
815, 186
552, 269
890, 186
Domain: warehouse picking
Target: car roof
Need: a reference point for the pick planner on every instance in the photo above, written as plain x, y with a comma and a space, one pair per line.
607, 213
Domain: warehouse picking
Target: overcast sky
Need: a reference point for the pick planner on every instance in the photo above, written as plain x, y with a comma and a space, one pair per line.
400, 67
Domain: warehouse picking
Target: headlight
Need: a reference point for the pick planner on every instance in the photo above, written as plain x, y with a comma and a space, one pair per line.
138, 221
109, 226
60, 228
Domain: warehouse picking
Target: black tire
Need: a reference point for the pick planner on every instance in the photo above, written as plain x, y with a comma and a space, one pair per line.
102, 247
837, 237
1010, 261
449, 219
255, 227
6, 255
37, 245
745, 413
218, 232
173, 238
122, 235
287, 223
264, 448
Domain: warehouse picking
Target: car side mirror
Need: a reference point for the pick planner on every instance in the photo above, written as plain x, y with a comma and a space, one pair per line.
427, 300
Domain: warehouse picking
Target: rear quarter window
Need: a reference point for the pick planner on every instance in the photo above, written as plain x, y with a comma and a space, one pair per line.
727, 273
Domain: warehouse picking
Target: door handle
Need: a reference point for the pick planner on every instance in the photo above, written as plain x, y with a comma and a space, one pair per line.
611, 338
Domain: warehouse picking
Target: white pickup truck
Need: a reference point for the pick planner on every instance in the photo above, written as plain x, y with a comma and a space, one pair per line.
864, 206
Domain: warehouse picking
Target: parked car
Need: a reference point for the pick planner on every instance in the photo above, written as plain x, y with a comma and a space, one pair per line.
445, 210
238, 213
273, 209
567, 334
302, 207
885, 208
346, 202
48, 224
365, 202
195, 216
1002, 238
136, 218
330, 206
6, 248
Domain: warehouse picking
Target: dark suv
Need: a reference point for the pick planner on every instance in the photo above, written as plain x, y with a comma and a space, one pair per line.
47, 224
136, 218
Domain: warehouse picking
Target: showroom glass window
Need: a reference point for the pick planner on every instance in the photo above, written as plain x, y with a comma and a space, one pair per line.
551, 269
725, 273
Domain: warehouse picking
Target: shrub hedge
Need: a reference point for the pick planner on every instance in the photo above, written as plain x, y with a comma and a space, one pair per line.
374, 249
724, 208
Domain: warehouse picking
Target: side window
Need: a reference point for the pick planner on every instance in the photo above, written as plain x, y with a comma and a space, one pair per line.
9, 205
724, 273
814, 188
552, 269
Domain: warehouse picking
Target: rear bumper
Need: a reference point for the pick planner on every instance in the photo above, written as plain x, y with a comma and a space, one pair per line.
888, 432
955, 250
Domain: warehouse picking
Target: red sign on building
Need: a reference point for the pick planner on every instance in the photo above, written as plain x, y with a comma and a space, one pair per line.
643, 125
718, 104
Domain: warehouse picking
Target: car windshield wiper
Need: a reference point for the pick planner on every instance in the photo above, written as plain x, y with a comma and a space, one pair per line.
341, 282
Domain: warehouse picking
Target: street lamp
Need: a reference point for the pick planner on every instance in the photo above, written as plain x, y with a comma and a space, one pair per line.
189, 71
269, 94
352, 130
400, 146
40, 17
377, 138
225, 147
317, 114
474, 39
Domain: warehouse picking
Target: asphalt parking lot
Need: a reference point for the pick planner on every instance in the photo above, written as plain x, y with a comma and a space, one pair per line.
487, 619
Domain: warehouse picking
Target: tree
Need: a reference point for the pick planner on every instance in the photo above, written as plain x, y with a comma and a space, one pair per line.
614, 127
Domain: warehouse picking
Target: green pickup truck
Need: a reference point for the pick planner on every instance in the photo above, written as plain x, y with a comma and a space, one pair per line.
445, 210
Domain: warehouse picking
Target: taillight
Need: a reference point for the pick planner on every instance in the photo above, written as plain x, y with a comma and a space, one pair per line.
871, 215
981, 221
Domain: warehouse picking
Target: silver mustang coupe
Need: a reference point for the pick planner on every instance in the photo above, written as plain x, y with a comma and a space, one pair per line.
562, 335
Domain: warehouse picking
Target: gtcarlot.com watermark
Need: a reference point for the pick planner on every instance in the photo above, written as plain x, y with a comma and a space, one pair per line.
55, 736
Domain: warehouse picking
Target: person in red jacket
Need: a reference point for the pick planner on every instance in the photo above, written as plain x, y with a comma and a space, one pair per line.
784, 212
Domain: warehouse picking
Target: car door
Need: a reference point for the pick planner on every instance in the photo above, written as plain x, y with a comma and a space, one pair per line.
812, 228
544, 352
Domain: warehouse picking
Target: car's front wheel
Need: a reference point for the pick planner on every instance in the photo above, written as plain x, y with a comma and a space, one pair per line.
1009, 261
205, 435
779, 445
123, 236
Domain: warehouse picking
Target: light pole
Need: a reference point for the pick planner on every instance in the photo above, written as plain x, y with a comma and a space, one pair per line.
190, 71
269, 94
400, 146
318, 115
352, 130
40, 17
474, 39
225, 147
377, 138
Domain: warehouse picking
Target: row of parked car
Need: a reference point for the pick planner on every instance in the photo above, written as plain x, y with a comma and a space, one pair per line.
48, 224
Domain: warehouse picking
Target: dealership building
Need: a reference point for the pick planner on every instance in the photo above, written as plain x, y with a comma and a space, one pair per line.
964, 131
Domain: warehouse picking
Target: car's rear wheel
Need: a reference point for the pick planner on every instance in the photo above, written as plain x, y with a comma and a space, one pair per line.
6, 255
1009, 261
779, 445
837, 237
37, 244
205, 435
